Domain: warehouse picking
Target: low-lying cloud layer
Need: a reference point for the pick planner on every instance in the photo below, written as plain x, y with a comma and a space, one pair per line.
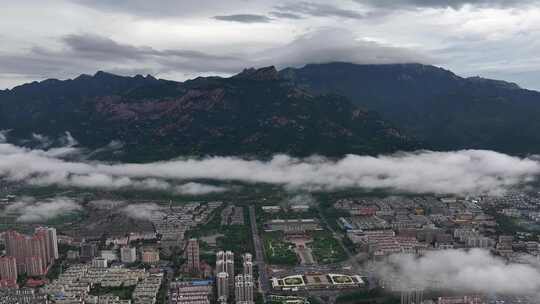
199, 189
28, 210
458, 270
459, 172
106, 204
299, 199
142, 211
139, 211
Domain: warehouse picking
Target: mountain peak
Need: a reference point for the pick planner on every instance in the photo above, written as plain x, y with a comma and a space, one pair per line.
265, 73
102, 74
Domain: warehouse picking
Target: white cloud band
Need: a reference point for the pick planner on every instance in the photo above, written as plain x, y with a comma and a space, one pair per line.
459, 172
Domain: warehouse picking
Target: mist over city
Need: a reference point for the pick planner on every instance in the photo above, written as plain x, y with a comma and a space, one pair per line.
283, 152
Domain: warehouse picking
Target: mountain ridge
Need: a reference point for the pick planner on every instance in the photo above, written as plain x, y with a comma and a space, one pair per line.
252, 113
439, 108
406, 106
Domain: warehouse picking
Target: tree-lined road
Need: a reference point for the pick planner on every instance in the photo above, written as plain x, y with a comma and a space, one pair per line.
264, 282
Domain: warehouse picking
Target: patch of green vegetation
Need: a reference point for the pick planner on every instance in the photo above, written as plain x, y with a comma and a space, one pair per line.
212, 227
350, 245
236, 238
279, 252
123, 292
259, 298
326, 207
64, 248
21, 279
55, 271
326, 249
209, 258
161, 297
313, 300
342, 279
293, 281
67, 219
505, 224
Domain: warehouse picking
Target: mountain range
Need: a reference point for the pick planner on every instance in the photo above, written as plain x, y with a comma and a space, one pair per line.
433, 105
256, 112
329, 109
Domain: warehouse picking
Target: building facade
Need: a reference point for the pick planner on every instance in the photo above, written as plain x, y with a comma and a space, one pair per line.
128, 254
222, 282
192, 255
150, 256
33, 254
243, 289
8, 269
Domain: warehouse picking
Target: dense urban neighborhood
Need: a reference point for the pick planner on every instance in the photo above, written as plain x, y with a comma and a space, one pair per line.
262, 251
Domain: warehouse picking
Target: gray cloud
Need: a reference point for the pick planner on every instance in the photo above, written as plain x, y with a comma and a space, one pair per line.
286, 15
105, 49
86, 53
142, 211
199, 189
460, 172
491, 62
171, 8
31, 211
96, 180
112, 182
474, 271
333, 44
478, 40
102, 48
42, 140
314, 9
299, 199
163, 8
114, 147
456, 4
105, 204
244, 18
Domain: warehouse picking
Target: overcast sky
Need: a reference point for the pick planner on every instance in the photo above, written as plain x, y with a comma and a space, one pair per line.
179, 39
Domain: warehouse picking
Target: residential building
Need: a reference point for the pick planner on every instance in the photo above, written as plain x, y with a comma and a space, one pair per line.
33, 254
293, 225
193, 292
222, 282
150, 255
88, 251
128, 254
99, 263
244, 289
8, 268
192, 254
248, 264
